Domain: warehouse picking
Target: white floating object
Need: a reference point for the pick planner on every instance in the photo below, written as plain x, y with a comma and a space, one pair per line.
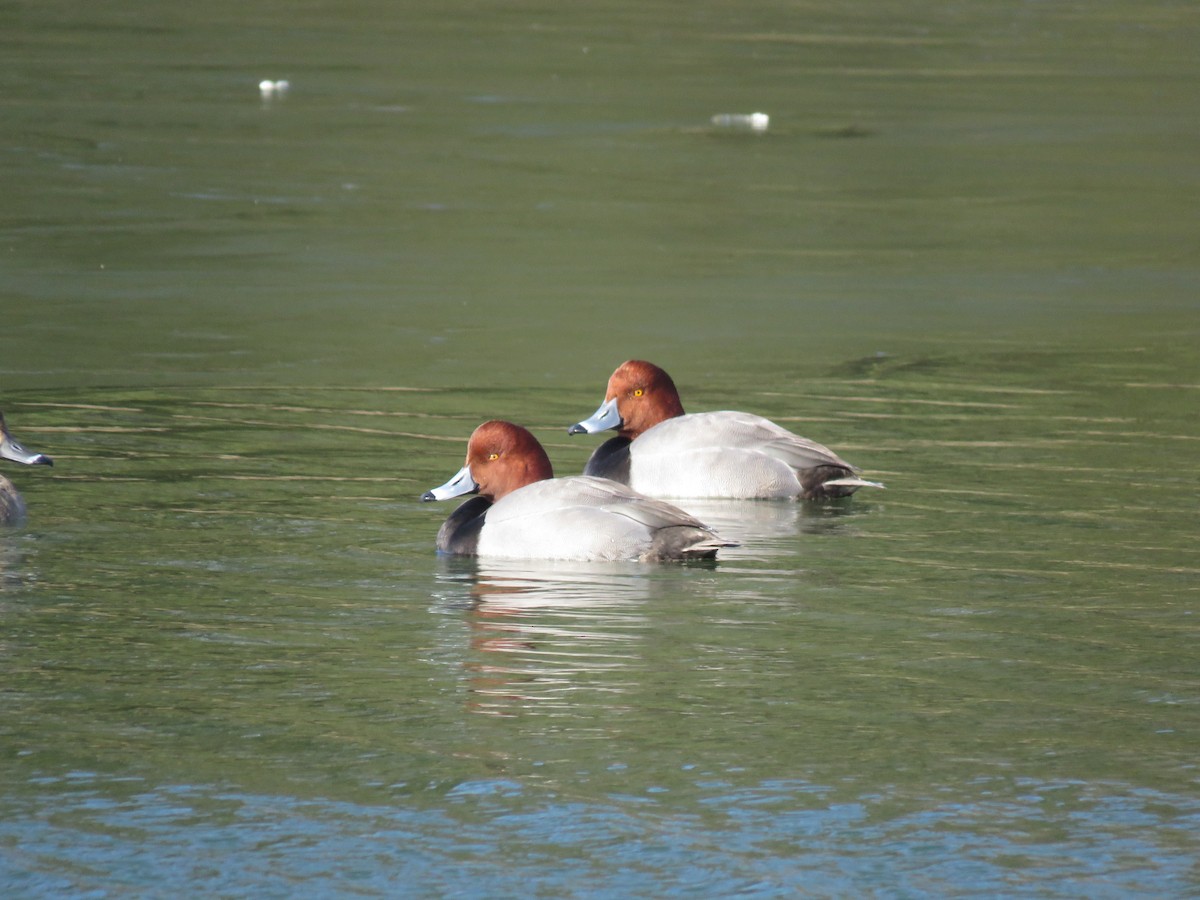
758, 121
269, 88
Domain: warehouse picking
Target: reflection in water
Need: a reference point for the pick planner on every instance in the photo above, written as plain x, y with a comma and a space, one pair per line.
12, 562
550, 635
769, 528
543, 631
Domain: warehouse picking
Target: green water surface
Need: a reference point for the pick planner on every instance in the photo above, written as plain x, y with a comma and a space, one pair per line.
251, 331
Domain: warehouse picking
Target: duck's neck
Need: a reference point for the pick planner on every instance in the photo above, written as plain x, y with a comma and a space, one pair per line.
664, 408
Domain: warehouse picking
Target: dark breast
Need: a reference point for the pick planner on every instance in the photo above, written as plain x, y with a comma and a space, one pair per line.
459, 534
610, 460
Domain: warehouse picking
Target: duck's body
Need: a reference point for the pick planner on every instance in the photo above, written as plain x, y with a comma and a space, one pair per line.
523, 512
662, 451
12, 505
724, 454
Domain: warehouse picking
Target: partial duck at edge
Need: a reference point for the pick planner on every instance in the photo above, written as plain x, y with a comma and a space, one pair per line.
12, 505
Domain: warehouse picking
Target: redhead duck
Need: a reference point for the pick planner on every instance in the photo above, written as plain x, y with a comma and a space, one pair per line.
524, 512
664, 452
12, 506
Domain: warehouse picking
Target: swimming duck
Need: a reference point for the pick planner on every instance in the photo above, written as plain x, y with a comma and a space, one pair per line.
662, 451
12, 506
523, 512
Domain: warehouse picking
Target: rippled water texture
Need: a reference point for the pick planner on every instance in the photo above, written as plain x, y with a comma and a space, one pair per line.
252, 328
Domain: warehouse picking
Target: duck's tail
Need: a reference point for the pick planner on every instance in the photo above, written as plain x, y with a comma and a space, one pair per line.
852, 481
685, 542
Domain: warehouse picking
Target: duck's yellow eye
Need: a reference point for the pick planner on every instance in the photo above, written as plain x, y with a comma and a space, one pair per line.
493, 456
637, 392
